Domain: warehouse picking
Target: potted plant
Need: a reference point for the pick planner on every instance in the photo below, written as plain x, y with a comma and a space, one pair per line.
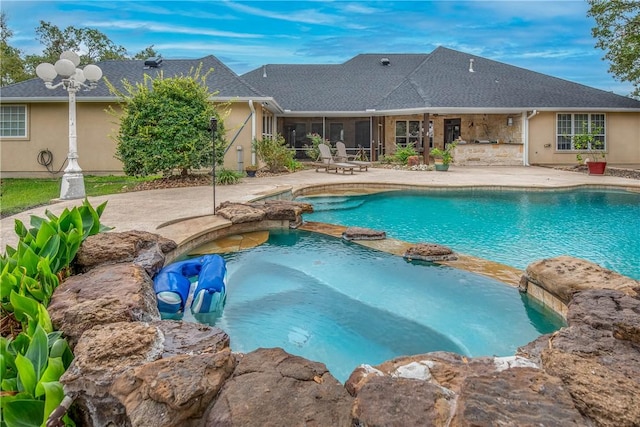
251, 170
590, 145
445, 156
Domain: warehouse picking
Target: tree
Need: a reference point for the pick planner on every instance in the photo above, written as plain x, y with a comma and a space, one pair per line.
92, 45
618, 33
164, 125
147, 52
12, 68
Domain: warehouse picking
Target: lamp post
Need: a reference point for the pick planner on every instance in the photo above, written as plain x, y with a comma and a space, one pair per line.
213, 127
72, 80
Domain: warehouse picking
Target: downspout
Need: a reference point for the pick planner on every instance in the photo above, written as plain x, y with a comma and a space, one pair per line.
253, 132
525, 130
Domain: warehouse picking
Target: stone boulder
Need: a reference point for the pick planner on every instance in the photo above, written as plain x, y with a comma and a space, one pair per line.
279, 210
284, 209
239, 213
106, 294
273, 388
598, 356
430, 252
147, 374
145, 249
563, 276
389, 401
446, 389
360, 233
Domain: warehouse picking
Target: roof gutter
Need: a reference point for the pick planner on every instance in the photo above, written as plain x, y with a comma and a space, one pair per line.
525, 135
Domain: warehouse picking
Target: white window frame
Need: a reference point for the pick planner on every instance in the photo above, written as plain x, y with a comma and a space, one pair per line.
267, 124
24, 121
570, 124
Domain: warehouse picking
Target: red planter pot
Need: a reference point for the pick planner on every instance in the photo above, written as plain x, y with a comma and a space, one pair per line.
596, 168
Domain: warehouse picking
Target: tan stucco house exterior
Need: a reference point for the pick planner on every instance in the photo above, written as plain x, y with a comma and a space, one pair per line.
506, 115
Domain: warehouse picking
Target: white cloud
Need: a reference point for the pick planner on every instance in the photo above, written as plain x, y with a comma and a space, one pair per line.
165, 28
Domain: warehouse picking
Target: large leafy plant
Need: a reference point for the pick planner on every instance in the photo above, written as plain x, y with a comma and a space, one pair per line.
44, 252
402, 154
31, 366
590, 143
446, 155
32, 361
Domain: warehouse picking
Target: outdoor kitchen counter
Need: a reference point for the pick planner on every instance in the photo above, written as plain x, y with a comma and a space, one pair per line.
482, 154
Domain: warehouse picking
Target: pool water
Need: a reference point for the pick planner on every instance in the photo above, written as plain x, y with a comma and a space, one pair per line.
512, 227
343, 304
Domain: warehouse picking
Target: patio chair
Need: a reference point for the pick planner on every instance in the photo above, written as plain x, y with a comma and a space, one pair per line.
350, 158
326, 161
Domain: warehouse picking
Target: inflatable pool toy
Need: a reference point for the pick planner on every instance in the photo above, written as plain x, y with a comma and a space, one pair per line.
173, 282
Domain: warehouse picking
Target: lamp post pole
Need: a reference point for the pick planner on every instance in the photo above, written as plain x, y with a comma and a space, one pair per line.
213, 126
72, 80
72, 185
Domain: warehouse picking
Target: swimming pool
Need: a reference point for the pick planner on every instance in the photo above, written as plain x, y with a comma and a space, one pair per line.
343, 304
512, 227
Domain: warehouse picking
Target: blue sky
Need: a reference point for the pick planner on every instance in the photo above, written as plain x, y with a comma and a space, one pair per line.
550, 37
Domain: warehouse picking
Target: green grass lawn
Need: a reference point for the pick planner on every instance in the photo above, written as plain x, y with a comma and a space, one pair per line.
19, 194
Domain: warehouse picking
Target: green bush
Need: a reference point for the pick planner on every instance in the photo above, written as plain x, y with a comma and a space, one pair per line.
294, 165
228, 177
312, 151
274, 153
164, 125
402, 154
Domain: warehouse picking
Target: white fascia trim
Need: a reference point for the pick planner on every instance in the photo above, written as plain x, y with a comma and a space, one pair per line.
584, 109
44, 99
288, 113
267, 102
403, 112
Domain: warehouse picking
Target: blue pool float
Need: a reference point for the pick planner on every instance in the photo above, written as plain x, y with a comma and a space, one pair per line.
172, 285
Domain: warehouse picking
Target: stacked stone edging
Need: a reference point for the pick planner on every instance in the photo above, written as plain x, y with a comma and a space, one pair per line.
143, 372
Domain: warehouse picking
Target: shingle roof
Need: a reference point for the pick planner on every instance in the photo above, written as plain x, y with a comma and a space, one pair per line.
424, 81
439, 80
222, 79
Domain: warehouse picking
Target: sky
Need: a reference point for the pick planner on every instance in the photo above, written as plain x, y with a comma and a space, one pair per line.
550, 37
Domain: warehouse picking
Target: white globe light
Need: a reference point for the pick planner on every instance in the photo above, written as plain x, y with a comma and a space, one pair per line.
65, 68
93, 73
46, 72
79, 76
71, 56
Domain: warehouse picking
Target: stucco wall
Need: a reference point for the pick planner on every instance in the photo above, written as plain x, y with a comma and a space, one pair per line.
48, 129
239, 135
622, 133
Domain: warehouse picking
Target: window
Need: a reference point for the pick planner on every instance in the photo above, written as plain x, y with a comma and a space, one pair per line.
267, 123
13, 121
409, 132
569, 125
336, 132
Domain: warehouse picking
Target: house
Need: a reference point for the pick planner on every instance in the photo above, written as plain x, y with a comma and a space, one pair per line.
34, 123
373, 102
376, 101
